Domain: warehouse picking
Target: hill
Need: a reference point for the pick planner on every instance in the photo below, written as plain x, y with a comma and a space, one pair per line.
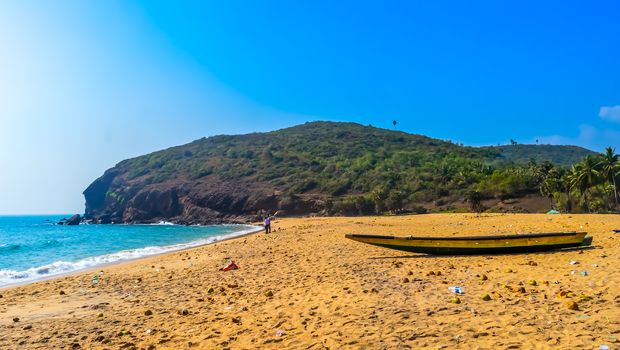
317, 167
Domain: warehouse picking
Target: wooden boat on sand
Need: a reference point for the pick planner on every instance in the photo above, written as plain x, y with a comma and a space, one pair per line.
518, 243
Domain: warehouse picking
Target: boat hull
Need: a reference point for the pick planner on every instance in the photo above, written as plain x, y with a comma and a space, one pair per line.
521, 243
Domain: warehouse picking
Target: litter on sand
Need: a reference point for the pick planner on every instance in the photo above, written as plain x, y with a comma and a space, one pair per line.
230, 266
456, 289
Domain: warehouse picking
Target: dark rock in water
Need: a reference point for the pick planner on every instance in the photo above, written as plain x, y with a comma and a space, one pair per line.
105, 219
74, 220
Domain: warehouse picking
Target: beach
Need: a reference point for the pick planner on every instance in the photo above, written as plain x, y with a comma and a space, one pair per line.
305, 286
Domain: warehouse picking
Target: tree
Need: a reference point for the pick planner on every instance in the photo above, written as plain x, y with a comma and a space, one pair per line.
444, 173
565, 183
364, 205
551, 184
378, 195
583, 176
475, 201
540, 171
394, 201
610, 169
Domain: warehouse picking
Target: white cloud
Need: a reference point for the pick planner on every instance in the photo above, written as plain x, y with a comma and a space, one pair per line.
610, 113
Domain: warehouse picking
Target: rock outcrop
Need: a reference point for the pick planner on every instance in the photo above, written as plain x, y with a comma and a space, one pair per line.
72, 221
208, 202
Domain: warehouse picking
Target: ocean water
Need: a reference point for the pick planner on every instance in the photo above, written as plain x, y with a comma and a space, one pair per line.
34, 247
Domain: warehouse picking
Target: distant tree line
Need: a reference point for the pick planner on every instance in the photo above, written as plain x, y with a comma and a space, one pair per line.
588, 186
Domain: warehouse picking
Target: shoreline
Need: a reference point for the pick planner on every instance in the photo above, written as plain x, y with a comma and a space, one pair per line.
306, 286
128, 260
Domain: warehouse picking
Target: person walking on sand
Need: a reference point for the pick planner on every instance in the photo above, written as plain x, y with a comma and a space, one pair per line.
267, 225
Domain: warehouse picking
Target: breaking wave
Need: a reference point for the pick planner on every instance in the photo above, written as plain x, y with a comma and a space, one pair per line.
9, 277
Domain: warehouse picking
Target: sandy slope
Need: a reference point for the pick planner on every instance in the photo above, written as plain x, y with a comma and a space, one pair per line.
329, 292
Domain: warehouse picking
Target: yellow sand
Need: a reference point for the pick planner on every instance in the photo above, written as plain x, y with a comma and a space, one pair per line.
330, 292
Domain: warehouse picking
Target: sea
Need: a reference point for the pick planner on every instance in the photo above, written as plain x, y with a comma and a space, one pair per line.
33, 248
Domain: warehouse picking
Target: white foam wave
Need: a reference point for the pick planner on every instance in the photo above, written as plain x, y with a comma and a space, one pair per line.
9, 277
165, 223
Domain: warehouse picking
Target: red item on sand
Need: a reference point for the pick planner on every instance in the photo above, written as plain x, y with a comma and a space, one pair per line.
230, 266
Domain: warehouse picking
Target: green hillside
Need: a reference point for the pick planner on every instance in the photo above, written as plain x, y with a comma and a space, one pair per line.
323, 166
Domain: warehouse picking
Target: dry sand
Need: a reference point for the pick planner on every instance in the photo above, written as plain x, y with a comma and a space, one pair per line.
330, 292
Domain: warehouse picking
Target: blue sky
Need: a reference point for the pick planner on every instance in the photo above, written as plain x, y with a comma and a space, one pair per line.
85, 84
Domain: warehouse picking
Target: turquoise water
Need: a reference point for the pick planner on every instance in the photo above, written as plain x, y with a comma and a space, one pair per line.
34, 247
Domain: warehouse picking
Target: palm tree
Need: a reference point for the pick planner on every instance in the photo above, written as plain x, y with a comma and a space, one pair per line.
583, 176
566, 186
551, 184
610, 168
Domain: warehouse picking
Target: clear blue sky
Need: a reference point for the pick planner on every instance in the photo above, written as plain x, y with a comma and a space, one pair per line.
85, 84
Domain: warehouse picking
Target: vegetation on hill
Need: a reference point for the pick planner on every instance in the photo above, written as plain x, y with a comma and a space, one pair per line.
589, 186
345, 168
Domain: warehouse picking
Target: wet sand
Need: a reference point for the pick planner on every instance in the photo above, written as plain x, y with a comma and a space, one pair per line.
307, 287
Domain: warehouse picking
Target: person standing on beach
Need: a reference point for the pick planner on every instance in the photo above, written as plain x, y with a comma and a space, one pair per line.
267, 225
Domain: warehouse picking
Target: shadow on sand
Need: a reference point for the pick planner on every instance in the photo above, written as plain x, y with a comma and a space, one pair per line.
431, 256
